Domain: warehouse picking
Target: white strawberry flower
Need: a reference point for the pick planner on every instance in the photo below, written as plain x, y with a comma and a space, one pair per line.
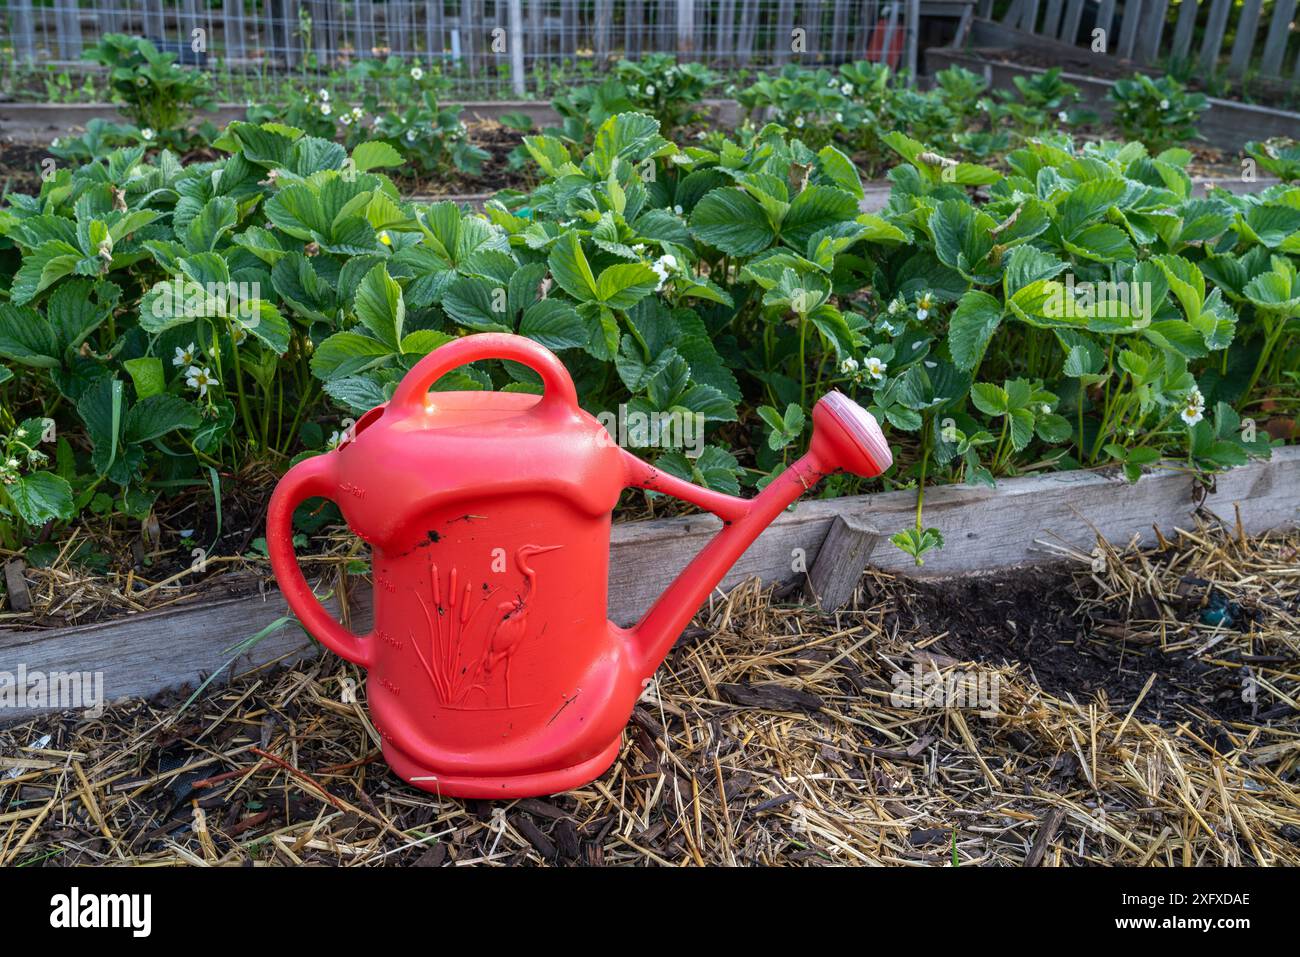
847, 89
839, 117
1063, 116
410, 136
200, 379
185, 357
146, 134
923, 306
849, 366
876, 368
336, 437
798, 122
324, 109
324, 94
1191, 415
417, 74
649, 89
663, 267
1164, 104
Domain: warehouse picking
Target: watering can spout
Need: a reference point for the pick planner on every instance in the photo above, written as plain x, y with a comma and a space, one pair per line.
845, 438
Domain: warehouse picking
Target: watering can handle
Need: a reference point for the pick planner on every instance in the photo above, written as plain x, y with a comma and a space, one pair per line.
308, 479
558, 391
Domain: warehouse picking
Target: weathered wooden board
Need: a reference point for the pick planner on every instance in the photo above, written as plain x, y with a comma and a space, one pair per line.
140, 655
985, 529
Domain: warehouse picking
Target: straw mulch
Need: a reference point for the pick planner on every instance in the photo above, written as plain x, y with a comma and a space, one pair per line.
1146, 713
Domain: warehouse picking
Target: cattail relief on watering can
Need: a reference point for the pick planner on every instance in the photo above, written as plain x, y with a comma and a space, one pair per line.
493, 670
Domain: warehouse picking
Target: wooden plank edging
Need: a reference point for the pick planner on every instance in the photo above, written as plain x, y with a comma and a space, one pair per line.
986, 530
34, 121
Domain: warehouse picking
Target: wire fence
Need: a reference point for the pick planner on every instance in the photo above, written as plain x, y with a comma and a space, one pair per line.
487, 47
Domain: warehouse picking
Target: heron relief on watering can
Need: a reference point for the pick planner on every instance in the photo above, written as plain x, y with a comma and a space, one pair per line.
493, 670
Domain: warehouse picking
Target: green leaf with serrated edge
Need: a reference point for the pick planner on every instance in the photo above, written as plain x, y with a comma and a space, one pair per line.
624, 285
41, 497
218, 216
42, 266
971, 327
347, 353
379, 306
263, 321
572, 272
147, 375
839, 169
27, 338
732, 222
374, 155
479, 304
157, 415
990, 399
554, 323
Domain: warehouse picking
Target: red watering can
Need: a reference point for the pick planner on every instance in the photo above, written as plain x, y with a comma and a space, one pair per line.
494, 671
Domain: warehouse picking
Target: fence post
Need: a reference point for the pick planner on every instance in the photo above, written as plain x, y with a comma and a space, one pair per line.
1213, 41
516, 12
604, 23
24, 31
68, 19
1275, 45
685, 27
912, 38
1244, 44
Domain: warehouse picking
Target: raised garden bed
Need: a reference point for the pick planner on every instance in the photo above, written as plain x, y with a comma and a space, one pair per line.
1000, 53
1030, 520
38, 122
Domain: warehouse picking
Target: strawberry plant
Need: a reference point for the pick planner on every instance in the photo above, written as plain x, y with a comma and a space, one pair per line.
1159, 112
157, 95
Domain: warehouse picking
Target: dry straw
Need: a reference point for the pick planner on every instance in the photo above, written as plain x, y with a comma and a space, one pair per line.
1161, 733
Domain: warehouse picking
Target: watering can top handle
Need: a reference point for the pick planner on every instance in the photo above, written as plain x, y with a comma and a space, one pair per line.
557, 387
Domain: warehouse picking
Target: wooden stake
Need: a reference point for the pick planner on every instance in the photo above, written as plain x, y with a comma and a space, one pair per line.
843, 555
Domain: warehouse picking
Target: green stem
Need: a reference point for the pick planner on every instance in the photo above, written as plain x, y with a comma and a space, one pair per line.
1271, 339
803, 365
239, 390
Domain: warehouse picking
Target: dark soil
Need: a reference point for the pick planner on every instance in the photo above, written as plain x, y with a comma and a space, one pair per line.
1032, 616
20, 167
496, 173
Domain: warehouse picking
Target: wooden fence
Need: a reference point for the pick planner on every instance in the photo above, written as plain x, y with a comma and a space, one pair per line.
1236, 38
496, 37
